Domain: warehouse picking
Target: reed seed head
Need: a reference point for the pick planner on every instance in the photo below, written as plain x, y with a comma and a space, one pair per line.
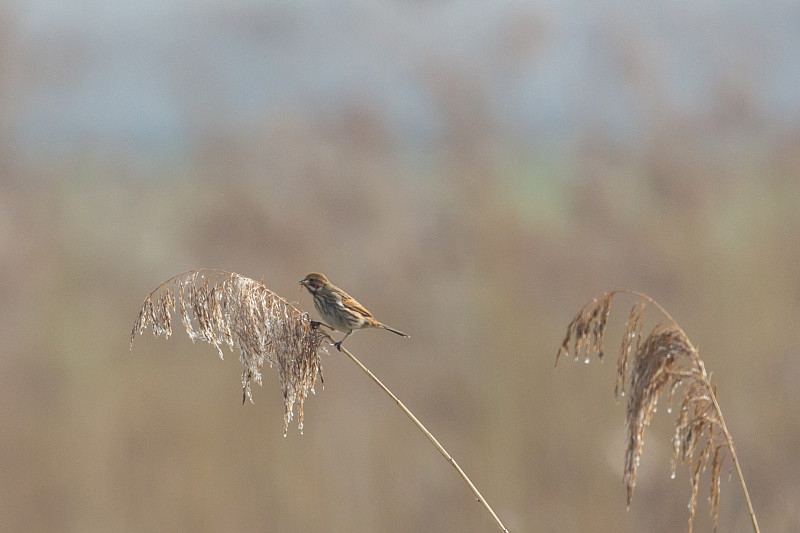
224, 308
664, 360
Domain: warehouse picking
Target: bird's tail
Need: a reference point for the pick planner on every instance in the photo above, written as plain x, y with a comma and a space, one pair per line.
387, 328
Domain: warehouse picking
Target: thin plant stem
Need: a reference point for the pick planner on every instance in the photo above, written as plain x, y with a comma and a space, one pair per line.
735, 462
431, 438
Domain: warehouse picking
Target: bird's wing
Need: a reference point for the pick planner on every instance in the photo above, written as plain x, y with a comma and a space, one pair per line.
351, 303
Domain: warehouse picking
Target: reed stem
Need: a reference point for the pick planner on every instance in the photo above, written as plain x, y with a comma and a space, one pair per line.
431, 438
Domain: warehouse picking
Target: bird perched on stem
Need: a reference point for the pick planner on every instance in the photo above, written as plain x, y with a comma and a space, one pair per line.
340, 310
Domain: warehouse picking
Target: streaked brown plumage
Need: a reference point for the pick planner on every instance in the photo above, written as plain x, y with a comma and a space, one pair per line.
340, 310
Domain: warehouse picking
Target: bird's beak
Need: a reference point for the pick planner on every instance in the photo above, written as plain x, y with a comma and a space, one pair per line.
302, 282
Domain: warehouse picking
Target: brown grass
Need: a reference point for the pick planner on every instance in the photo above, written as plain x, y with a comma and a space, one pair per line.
666, 359
224, 308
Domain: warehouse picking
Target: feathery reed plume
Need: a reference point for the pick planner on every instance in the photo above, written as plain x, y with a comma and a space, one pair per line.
666, 359
221, 308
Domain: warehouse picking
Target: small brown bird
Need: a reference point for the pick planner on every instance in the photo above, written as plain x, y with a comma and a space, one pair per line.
340, 310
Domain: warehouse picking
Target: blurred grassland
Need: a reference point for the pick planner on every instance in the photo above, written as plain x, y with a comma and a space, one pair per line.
484, 270
482, 245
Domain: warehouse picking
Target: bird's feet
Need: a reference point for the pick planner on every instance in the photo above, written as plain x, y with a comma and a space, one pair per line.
338, 345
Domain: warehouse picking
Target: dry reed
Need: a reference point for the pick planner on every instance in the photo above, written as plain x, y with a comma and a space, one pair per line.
221, 307
224, 308
664, 360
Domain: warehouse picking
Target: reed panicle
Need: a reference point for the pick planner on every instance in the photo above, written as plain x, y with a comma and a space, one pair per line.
664, 360
224, 308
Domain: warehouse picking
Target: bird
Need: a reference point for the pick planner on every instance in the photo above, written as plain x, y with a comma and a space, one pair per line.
340, 310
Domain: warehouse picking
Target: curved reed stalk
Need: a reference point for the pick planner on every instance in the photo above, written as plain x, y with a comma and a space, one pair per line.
431, 438
665, 359
221, 307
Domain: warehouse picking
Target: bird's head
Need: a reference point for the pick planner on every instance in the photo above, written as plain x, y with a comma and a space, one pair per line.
314, 282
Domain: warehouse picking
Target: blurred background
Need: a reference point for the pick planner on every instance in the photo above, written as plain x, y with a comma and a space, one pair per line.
473, 173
